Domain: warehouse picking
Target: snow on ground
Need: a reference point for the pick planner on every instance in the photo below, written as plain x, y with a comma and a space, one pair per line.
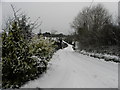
100, 55
69, 69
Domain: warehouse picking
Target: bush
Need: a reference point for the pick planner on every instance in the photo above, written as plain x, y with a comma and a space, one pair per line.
42, 48
94, 29
18, 61
23, 58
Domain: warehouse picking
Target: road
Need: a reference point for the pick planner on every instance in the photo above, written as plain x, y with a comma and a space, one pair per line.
69, 69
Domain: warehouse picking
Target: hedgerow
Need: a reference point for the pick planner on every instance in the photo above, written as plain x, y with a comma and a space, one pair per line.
23, 61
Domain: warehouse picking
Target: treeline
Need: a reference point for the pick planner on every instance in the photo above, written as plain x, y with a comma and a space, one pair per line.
48, 34
95, 31
58, 39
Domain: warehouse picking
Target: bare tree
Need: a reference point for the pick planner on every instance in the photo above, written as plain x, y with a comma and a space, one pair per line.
24, 23
89, 22
97, 17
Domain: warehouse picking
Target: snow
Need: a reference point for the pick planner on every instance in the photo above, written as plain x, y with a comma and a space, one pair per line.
100, 55
69, 69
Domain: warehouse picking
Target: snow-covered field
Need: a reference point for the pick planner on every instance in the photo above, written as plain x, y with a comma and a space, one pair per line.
69, 69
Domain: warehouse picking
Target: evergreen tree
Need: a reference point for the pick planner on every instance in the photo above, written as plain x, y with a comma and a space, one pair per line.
17, 63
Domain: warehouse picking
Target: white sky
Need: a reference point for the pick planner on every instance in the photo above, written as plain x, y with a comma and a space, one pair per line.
59, 0
55, 15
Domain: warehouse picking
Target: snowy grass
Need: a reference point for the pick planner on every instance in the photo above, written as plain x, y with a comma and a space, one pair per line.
106, 57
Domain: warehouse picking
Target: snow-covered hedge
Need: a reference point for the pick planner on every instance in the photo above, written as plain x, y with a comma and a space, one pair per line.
17, 64
106, 57
43, 48
23, 61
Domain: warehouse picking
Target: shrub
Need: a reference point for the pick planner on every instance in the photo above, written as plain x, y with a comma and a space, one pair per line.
18, 66
23, 58
42, 48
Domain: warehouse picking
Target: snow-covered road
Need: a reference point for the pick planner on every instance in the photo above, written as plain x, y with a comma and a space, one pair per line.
69, 69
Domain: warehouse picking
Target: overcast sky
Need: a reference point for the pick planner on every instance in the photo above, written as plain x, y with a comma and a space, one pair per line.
55, 16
